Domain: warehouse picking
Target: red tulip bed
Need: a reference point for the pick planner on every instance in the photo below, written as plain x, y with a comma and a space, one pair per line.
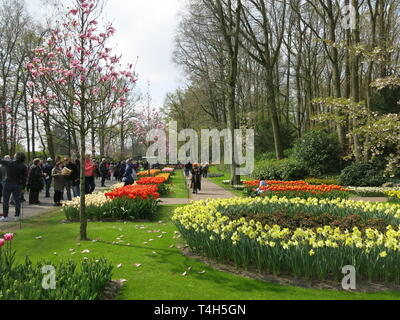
130, 203
295, 189
161, 181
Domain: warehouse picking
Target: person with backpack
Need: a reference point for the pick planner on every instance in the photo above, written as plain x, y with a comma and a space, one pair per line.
17, 174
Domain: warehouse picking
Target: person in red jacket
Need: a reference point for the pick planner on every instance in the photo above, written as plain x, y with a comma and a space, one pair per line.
90, 175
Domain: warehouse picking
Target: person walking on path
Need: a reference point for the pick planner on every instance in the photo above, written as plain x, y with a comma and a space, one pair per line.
196, 178
205, 169
17, 174
59, 184
104, 170
35, 182
90, 175
47, 170
130, 173
188, 169
3, 176
71, 180
122, 170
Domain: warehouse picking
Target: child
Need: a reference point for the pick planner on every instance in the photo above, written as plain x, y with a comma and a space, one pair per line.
262, 186
59, 184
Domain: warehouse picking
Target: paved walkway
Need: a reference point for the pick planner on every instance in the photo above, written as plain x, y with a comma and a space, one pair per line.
209, 190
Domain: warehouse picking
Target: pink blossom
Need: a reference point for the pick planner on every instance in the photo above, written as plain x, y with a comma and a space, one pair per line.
2, 242
8, 236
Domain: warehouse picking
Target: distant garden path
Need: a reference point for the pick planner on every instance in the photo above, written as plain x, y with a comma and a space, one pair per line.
209, 190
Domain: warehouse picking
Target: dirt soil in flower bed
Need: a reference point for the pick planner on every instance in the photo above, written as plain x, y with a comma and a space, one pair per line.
252, 273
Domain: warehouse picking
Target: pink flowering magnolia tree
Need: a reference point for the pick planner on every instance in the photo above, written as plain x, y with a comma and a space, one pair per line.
144, 122
75, 72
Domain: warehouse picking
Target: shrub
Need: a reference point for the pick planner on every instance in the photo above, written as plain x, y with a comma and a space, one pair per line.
319, 151
363, 174
285, 170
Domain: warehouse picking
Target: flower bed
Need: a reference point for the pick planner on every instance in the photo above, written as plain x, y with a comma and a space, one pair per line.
234, 230
154, 180
125, 203
296, 189
160, 181
149, 173
394, 196
168, 170
370, 191
24, 282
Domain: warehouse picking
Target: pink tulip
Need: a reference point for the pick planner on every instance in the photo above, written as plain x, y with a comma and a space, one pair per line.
8, 237
2, 242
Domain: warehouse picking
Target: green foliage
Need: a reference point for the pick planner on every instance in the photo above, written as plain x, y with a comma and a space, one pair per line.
322, 181
386, 100
363, 174
124, 209
264, 139
284, 170
319, 151
86, 282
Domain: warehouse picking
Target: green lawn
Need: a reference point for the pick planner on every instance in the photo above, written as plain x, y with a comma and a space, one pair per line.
179, 189
227, 176
162, 266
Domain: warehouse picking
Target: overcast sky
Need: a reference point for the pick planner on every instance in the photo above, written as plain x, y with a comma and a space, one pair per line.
145, 29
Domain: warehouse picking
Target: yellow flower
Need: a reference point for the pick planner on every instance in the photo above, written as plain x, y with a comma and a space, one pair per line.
383, 254
311, 253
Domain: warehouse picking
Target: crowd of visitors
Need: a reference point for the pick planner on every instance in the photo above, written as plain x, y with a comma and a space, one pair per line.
63, 176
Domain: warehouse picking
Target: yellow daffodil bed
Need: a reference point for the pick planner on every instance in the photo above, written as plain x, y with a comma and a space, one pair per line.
231, 230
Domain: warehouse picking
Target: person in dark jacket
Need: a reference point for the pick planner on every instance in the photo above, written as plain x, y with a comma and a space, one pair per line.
196, 178
104, 172
72, 179
3, 176
17, 174
35, 182
122, 170
47, 169
129, 174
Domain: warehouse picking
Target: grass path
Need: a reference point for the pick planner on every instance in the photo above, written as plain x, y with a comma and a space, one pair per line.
179, 189
162, 264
